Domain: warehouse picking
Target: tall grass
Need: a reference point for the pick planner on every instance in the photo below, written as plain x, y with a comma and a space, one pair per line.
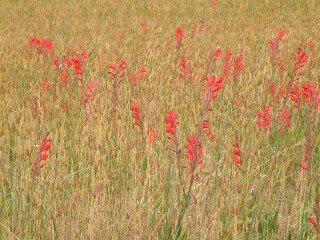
102, 179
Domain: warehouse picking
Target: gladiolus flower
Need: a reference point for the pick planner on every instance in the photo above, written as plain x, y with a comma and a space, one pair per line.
213, 85
41, 154
194, 152
236, 154
136, 113
300, 59
179, 35
206, 128
312, 220
265, 117
171, 120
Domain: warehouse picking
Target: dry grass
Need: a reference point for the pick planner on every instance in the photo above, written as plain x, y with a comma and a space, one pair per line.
97, 183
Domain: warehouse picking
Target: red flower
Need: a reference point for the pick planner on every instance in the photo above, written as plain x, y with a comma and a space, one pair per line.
44, 157
265, 117
284, 119
117, 71
226, 63
213, 3
311, 95
274, 43
91, 85
136, 113
237, 66
138, 76
171, 120
300, 59
206, 128
152, 135
196, 30
64, 105
213, 85
44, 45
185, 70
312, 220
44, 85
194, 152
236, 154
179, 35
303, 165
41, 153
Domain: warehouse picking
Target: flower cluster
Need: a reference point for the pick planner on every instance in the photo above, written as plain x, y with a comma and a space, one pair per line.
301, 58
179, 36
213, 85
136, 113
77, 63
41, 154
206, 128
312, 97
91, 85
43, 45
117, 71
236, 154
138, 76
44, 85
196, 30
237, 66
171, 120
284, 119
277, 92
194, 152
73, 61
274, 43
185, 70
265, 117
226, 63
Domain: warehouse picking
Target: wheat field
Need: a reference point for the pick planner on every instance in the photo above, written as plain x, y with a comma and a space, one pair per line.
169, 119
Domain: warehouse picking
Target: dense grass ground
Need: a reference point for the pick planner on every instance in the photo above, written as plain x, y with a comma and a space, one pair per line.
99, 181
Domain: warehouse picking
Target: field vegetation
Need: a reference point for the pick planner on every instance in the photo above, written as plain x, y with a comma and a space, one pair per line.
171, 119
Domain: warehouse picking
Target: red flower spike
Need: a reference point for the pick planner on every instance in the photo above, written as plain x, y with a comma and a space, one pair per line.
138, 76
213, 85
226, 63
41, 154
44, 85
136, 113
265, 117
237, 66
185, 70
43, 45
196, 30
179, 36
90, 89
194, 152
206, 128
274, 44
284, 119
116, 71
171, 120
301, 58
236, 154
